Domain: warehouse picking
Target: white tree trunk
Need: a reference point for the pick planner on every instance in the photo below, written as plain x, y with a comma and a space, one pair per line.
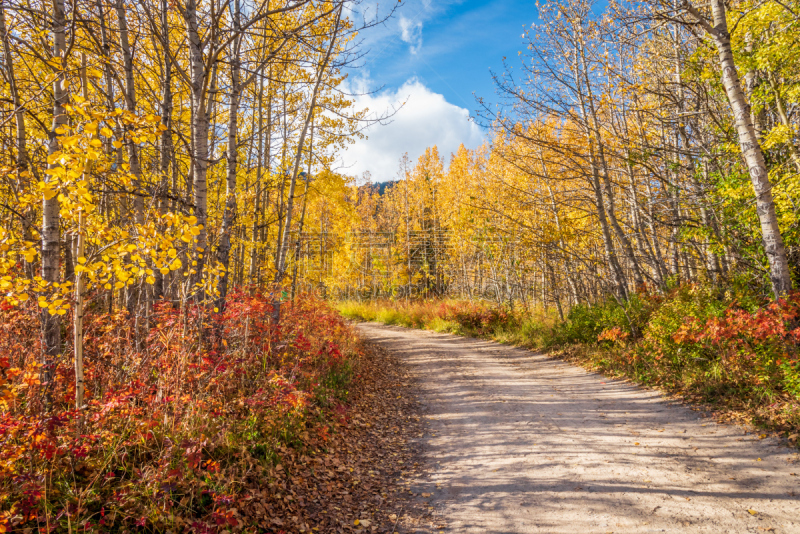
283, 245
200, 123
229, 216
51, 218
752, 153
130, 104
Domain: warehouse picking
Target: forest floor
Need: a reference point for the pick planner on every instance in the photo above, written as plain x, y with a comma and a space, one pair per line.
361, 483
514, 441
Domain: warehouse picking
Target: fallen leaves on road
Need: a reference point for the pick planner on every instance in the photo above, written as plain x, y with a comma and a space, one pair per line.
353, 480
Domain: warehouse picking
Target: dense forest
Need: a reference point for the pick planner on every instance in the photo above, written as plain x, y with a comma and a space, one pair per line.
173, 223
628, 153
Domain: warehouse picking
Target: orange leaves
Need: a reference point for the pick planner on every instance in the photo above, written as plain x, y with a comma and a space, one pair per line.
737, 324
613, 334
168, 424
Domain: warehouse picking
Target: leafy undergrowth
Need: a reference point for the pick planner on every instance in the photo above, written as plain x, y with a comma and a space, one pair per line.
737, 357
475, 318
205, 424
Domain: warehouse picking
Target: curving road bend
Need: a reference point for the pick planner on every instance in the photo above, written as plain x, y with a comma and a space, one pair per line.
520, 443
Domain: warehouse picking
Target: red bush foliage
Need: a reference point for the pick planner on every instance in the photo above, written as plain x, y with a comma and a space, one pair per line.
172, 430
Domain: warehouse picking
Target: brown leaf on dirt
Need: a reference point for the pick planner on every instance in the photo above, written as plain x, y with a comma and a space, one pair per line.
353, 481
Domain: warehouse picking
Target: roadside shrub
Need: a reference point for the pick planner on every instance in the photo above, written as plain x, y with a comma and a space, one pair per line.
172, 433
586, 322
737, 351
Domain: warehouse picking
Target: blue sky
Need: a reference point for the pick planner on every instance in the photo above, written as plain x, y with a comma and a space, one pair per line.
435, 57
454, 43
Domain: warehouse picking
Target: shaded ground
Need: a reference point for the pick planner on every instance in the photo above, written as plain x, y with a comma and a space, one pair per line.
354, 479
517, 442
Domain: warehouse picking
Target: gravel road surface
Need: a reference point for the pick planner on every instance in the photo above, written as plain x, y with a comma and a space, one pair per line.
519, 443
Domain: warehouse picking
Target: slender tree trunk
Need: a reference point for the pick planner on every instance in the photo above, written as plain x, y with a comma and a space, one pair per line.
302, 214
780, 274
77, 321
589, 112
130, 104
257, 216
23, 167
229, 216
165, 145
51, 219
200, 124
284, 243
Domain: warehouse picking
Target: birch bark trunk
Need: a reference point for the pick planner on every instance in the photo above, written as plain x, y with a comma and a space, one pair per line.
590, 112
77, 322
284, 242
200, 122
51, 219
229, 216
165, 145
21, 134
259, 171
608, 243
130, 105
752, 153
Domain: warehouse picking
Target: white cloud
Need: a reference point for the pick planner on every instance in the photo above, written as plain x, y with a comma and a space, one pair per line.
425, 120
411, 33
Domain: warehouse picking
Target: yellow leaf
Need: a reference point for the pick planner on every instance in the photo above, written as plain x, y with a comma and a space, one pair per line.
752, 512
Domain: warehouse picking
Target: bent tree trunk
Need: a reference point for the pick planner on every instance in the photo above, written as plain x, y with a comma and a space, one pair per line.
751, 148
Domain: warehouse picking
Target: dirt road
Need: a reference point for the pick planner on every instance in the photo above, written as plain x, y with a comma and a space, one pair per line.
520, 443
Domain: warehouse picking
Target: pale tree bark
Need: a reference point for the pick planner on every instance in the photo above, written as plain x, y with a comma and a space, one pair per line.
130, 105
109, 79
77, 322
303, 213
752, 153
200, 122
784, 118
589, 112
23, 166
608, 242
229, 216
259, 172
19, 111
165, 144
283, 245
51, 219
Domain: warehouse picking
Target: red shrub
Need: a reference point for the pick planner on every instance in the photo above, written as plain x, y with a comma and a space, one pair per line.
170, 429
